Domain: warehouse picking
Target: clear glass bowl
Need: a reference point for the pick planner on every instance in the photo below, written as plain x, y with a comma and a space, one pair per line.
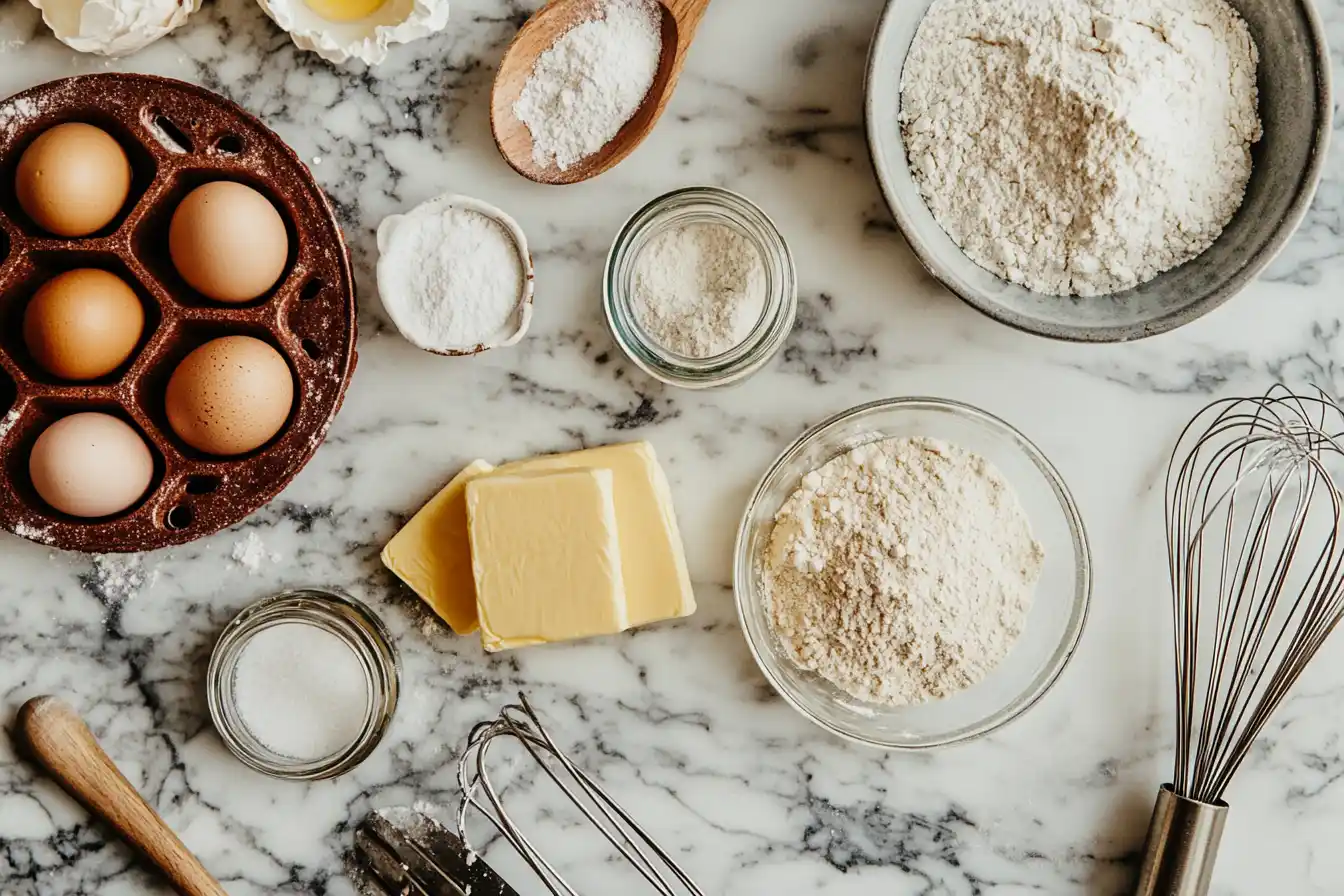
693, 205
1057, 614
337, 613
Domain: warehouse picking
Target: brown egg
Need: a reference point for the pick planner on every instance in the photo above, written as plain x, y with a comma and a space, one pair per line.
90, 465
73, 179
228, 242
83, 324
230, 396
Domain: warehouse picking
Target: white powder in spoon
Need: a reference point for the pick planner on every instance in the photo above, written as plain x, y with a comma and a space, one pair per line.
585, 88
301, 691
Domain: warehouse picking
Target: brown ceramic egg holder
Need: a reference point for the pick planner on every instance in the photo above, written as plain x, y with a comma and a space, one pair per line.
177, 136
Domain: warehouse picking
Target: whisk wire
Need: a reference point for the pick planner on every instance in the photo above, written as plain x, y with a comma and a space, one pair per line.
1257, 568
1253, 606
521, 724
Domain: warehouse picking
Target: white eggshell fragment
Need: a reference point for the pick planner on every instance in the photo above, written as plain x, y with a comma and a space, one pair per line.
113, 27
367, 39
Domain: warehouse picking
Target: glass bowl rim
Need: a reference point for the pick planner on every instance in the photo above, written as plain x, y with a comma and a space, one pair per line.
1061, 656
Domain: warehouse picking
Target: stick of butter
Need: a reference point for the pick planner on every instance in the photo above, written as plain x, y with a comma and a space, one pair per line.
657, 584
546, 557
433, 555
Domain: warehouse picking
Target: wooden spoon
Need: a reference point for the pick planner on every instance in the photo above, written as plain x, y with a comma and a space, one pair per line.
58, 738
681, 18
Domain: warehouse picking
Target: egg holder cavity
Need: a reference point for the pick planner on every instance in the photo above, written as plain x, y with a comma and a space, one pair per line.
177, 137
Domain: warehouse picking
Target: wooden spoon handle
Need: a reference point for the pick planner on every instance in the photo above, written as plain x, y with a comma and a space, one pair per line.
60, 740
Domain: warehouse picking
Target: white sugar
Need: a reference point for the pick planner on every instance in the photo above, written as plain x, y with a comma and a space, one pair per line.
301, 691
585, 88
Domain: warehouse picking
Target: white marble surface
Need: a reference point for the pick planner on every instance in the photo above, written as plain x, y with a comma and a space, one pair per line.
676, 719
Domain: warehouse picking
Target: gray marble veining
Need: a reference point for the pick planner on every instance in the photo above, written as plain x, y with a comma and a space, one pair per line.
675, 720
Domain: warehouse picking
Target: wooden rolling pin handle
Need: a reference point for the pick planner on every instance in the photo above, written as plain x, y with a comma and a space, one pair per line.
59, 739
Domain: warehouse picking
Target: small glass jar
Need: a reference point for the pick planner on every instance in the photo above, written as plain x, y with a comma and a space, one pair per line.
338, 614
701, 205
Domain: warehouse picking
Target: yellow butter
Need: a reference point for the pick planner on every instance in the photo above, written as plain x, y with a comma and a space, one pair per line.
546, 557
653, 560
344, 10
432, 553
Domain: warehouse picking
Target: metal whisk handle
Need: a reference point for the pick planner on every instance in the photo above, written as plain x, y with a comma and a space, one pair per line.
1182, 844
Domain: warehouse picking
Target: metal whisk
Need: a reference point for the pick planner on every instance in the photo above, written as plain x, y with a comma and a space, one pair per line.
518, 722
1253, 518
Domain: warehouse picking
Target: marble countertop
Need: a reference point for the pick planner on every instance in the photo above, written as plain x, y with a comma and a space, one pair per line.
676, 720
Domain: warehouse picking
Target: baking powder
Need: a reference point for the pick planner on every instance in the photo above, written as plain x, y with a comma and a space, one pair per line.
1081, 146
585, 87
699, 289
452, 277
902, 571
301, 691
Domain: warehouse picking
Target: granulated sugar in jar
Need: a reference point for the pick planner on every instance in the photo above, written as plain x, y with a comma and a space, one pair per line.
302, 685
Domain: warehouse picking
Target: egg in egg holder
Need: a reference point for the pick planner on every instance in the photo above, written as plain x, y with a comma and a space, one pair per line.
177, 137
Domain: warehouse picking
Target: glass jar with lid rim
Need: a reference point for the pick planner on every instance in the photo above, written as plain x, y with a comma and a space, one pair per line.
680, 208
337, 614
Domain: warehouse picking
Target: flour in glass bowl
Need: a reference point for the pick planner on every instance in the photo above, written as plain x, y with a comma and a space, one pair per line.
1081, 147
902, 571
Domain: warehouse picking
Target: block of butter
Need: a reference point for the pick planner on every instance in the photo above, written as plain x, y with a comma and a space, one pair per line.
546, 557
432, 553
657, 584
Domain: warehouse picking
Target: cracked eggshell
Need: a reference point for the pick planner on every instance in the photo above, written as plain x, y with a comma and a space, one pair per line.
394, 302
113, 27
395, 22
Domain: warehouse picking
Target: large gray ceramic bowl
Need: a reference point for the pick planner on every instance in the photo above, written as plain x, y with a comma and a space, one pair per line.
1294, 106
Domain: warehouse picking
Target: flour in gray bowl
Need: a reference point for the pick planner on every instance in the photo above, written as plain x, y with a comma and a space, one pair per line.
1081, 147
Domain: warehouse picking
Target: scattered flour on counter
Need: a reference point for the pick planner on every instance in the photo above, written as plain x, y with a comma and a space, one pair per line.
250, 553
116, 578
589, 83
1081, 147
419, 817
902, 571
